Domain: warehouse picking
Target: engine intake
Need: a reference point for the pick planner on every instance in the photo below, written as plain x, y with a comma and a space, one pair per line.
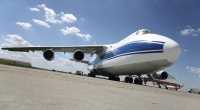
48, 55
78, 55
162, 76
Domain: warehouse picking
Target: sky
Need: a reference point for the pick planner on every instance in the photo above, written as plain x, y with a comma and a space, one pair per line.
81, 22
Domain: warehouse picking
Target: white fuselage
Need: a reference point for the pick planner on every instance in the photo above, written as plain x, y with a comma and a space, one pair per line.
138, 54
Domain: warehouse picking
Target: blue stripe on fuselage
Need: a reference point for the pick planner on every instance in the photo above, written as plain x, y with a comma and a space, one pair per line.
134, 48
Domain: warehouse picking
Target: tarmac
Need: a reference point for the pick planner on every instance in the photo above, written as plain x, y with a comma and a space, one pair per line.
32, 89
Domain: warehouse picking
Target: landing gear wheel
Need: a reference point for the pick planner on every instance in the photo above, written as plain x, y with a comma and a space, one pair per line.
128, 80
114, 78
138, 81
117, 79
92, 75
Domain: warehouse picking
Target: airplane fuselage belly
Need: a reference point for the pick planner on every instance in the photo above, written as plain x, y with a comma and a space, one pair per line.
134, 64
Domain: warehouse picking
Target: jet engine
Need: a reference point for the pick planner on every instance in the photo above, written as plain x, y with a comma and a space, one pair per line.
49, 55
163, 75
78, 55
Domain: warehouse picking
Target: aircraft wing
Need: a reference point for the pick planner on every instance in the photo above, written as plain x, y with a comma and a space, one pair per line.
86, 49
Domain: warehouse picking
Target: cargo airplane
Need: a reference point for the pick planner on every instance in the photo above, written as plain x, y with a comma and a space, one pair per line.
140, 53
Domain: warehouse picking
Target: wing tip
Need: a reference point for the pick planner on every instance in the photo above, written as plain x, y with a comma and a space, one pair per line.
12, 49
4, 48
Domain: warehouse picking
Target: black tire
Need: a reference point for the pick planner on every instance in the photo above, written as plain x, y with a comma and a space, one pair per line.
114, 78
138, 81
128, 80
117, 78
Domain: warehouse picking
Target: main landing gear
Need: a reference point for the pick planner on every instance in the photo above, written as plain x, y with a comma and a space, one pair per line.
128, 79
138, 80
92, 74
114, 78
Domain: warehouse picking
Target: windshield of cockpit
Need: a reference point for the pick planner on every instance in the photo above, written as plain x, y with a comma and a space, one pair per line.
142, 32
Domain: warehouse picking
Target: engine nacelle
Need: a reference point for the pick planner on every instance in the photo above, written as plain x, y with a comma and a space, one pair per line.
48, 55
164, 75
78, 55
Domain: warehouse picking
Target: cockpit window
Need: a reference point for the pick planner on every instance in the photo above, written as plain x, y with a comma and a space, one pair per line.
142, 31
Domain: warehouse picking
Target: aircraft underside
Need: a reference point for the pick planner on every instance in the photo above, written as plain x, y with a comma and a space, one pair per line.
135, 68
130, 66
133, 64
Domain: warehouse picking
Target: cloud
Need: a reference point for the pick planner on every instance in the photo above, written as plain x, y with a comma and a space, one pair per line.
84, 36
194, 70
75, 32
49, 14
24, 25
70, 31
15, 40
68, 18
61, 64
190, 31
55, 18
34, 9
41, 23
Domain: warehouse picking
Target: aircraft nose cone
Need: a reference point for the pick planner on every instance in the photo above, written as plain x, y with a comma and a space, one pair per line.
173, 50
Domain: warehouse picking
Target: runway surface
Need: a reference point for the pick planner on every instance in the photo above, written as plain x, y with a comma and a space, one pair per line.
31, 89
